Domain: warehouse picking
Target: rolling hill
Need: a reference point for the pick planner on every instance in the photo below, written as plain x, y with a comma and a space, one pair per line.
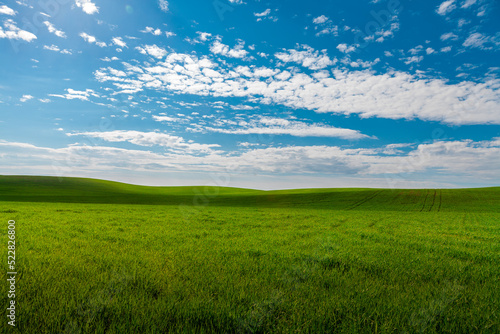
81, 190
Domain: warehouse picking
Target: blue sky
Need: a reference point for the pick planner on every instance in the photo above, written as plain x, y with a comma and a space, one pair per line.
256, 94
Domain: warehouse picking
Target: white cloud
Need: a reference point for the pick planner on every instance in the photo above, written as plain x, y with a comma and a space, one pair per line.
219, 48
166, 119
393, 95
449, 35
468, 3
55, 48
163, 5
279, 126
320, 19
264, 13
416, 50
26, 98
307, 57
87, 6
344, 48
151, 30
51, 48
324, 26
331, 30
75, 94
203, 36
53, 30
7, 11
119, 42
446, 49
446, 7
152, 50
477, 40
13, 32
92, 40
45, 100
413, 59
107, 59
148, 139
456, 161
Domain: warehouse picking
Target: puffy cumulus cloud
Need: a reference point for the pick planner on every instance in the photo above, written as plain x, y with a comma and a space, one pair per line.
264, 13
218, 48
7, 11
87, 6
279, 126
151, 30
320, 19
344, 48
393, 95
470, 161
92, 40
446, 7
307, 57
76, 94
52, 29
148, 139
203, 36
152, 50
11, 31
324, 26
163, 5
26, 98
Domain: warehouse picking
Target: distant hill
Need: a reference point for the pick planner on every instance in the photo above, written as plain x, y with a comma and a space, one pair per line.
82, 190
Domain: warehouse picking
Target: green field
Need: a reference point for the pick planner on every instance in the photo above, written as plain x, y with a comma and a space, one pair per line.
103, 257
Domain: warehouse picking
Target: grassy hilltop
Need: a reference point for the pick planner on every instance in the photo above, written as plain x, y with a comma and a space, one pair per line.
80, 190
96, 256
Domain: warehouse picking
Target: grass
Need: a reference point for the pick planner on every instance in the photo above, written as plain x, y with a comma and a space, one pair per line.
130, 259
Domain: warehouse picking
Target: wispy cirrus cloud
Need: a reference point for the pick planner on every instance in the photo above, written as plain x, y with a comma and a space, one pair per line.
148, 139
92, 40
52, 29
278, 126
76, 94
446, 7
55, 48
483, 42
